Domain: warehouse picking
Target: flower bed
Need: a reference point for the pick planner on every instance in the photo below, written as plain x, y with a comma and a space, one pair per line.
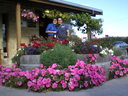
118, 68
54, 77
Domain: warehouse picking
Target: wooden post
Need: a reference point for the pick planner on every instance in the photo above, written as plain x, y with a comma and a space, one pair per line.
18, 24
0, 57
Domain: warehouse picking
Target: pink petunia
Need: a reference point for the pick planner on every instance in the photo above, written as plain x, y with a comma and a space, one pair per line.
86, 84
19, 83
54, 85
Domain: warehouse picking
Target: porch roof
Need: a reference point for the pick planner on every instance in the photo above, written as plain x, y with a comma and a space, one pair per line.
70, 5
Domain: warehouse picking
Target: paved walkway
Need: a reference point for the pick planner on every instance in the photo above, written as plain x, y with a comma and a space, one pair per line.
116, 87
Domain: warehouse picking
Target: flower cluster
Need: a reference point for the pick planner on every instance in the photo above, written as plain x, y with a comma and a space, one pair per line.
29, 15
91, 58
107, 51
118, 68
54, 77
87, 48
37, 47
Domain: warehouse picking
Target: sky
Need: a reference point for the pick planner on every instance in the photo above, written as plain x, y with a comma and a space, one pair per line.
115, 15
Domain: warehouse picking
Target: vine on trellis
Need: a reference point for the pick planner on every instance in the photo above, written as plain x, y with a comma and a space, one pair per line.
81, 18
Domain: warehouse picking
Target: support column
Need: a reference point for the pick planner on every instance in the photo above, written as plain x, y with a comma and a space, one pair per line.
18, 24
1, 37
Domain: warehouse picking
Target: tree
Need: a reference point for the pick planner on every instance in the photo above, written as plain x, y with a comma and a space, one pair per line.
94, 26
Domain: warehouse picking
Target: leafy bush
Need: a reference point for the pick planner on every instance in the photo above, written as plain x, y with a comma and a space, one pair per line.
117, 52
61, 54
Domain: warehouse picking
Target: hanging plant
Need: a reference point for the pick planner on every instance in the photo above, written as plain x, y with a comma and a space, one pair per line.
28, 14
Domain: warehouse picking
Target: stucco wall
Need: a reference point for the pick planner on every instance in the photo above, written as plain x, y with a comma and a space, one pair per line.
27, 32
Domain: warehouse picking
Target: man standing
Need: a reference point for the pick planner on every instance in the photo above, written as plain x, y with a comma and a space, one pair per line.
63, 30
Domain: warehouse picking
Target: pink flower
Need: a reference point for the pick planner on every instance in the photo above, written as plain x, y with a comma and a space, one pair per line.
43, 72
77, 77
86, 84
64, 85
67, 74
80, 63
24, 15
121, 73
112, 67
71, 87
95, 55
29, 84
50, 70
44, 81
117, 72
30, 13
36, 87
48, 80
54, 85
19, 83
54, 66
41, 66
89, 55
93, 59
48, 85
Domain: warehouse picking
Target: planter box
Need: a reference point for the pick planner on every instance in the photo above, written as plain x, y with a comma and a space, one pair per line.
30, 59
29, 62
100, 59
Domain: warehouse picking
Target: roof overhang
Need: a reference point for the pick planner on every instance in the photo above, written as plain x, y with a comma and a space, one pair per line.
72, 6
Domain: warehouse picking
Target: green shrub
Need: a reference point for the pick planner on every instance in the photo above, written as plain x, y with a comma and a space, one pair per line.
61, 54
117, 52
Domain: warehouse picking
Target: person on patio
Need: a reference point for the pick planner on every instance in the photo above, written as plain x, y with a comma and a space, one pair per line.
63, 30
52, 29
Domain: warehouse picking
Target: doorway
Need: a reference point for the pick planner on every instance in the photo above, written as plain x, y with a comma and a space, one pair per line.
43, 23
5, 34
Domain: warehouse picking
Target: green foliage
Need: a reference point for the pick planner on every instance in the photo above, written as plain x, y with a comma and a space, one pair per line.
16, 58
61, 54
117, 52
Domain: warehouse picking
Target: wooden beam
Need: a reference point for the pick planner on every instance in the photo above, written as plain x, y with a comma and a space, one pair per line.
61, 5
18, 24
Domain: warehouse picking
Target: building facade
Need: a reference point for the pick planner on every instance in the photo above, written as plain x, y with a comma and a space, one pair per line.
14, 30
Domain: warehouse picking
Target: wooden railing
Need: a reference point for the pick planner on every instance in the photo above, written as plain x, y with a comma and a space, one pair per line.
0, 56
